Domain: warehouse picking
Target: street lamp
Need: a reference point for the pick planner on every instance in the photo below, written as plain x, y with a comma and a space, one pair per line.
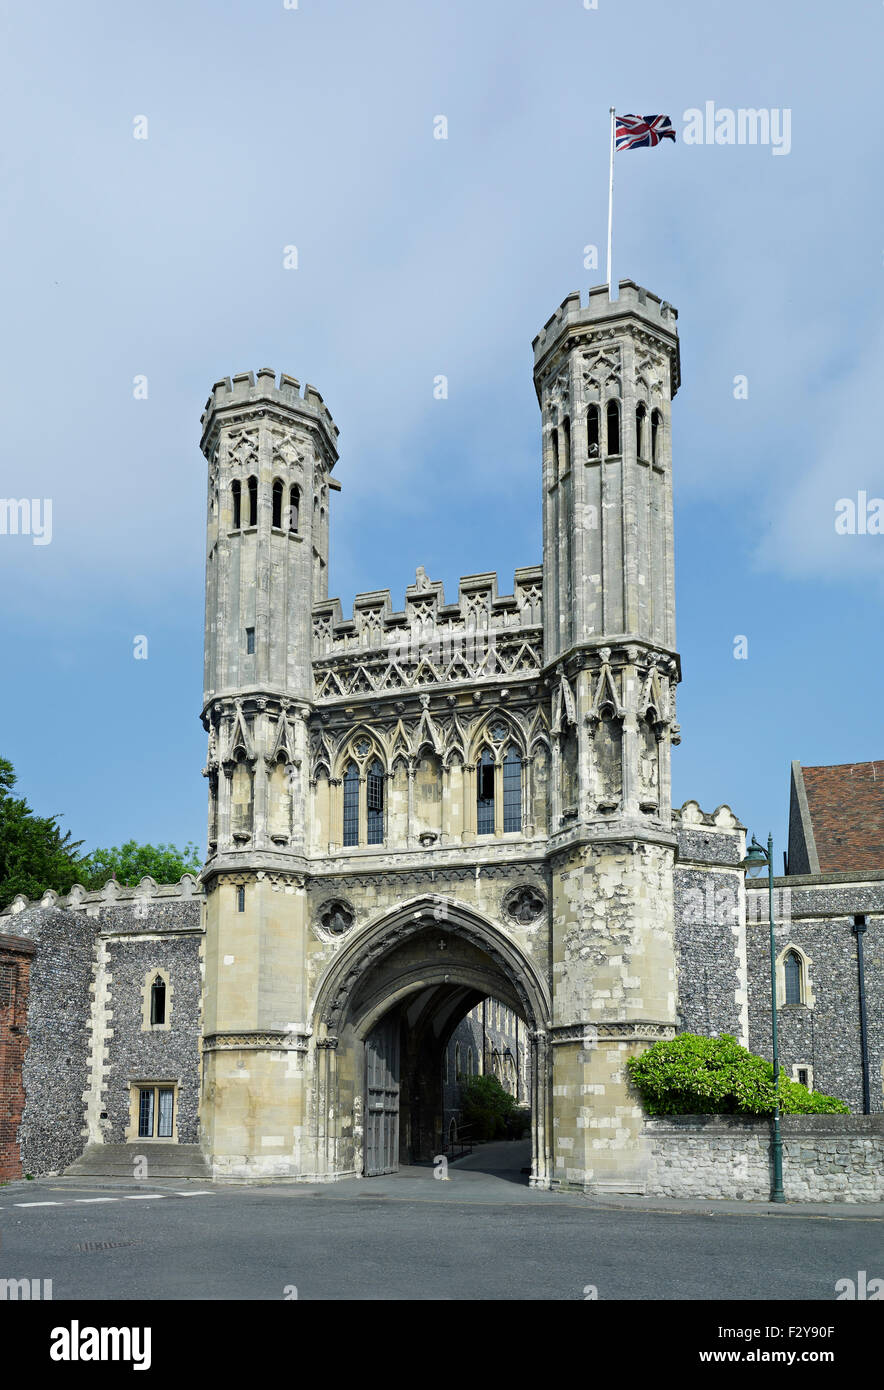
757, 859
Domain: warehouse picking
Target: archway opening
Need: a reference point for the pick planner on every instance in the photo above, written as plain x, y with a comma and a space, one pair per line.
422, 999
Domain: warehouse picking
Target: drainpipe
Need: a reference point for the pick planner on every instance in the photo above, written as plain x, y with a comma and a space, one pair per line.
859, 927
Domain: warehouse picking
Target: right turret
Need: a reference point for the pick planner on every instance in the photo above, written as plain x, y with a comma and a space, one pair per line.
605, 376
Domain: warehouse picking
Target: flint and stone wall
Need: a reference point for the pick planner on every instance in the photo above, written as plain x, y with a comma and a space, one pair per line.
814, 914
826, 1158
166, 937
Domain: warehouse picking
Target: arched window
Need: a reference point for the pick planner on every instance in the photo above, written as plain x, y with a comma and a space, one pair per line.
277, 504
656, 425
294, 506
375, 803
555, 452
457, 1071
613, 420
566, 439
512, 791
792, 977
351, 805
240, 899
469, 1061
158, 1000
236, 496
253, 501
641, 415
592, 431
485, 794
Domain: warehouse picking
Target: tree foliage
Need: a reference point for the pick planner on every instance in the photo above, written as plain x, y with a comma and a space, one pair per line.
36, 855
693, 1075
489, 1110
129, 863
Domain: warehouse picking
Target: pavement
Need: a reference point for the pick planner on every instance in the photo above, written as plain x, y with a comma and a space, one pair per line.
483, 1234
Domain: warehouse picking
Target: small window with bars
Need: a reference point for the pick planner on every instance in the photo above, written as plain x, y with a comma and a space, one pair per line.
155, 1111
485, 794
375, 803
351, 805
792, 977
512, 791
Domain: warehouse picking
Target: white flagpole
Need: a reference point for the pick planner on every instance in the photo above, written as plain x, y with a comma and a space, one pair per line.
611, 208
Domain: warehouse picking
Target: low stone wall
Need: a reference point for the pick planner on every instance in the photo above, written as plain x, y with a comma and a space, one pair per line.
826, 1158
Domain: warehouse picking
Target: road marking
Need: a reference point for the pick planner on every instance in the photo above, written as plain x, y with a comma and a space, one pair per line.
146, 1197
38, 1204
193, 1194
90, 1199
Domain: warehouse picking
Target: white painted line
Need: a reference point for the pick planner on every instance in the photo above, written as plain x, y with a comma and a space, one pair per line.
193, 1194
84, 1200
38, 1204
146, 1197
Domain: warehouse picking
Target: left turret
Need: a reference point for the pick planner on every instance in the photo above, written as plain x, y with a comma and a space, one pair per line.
270, 451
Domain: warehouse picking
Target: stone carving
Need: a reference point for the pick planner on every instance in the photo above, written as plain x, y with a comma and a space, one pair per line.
336, 917
525, 905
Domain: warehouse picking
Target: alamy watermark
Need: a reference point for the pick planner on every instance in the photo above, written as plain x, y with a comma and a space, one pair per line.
27, 517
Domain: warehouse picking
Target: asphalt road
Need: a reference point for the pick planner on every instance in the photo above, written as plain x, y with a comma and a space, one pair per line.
483, 1235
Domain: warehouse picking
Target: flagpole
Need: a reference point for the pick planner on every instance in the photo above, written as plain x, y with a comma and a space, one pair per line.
611, 208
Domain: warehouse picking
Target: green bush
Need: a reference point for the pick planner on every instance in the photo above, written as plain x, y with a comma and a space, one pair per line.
693, 1075
486, 1107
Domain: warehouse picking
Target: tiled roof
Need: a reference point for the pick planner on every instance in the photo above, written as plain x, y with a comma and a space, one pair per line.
846, 805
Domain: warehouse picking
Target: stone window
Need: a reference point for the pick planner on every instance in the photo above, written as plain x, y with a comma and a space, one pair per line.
375, 803
640, 420
153, 1111
656, 423
792, 974
250, 641
277, 504
236, 498
469, 1061
253, 500
294, 507
485, 794
457, 1071
156, 1002
351, 805
592, 431
512, 791
613, 422
241, 898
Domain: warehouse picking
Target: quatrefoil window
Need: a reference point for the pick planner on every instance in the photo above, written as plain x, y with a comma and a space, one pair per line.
336, 917
525, 905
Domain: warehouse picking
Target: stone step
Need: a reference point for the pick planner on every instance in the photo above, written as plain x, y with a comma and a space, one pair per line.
119, 1160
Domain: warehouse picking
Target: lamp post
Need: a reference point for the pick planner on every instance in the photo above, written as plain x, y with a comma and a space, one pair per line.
757, 858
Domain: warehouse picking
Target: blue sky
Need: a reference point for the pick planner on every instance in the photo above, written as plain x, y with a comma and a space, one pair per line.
313, 127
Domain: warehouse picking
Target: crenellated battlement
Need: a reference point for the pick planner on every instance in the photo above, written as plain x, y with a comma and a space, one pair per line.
633, 302
484, 635
375, 624
244, 390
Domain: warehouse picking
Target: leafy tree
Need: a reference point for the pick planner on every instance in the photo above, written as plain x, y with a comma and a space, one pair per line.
489, 1110
129, 863
693, 1075
34, 854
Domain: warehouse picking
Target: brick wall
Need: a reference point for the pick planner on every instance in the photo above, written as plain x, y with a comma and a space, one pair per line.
15, 970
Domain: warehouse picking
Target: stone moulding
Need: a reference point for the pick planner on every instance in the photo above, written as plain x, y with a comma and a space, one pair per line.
269, 1041
630, 1030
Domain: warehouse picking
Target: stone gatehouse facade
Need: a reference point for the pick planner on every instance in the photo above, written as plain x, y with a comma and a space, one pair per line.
414, 809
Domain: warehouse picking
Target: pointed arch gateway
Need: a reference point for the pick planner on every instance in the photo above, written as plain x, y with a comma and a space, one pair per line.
383, 1015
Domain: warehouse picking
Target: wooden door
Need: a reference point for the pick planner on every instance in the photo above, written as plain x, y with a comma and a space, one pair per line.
382, 1098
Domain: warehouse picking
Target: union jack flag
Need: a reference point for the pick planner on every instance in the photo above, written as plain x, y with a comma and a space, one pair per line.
639, 132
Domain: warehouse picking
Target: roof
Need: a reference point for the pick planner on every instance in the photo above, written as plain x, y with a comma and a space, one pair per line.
837, 818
